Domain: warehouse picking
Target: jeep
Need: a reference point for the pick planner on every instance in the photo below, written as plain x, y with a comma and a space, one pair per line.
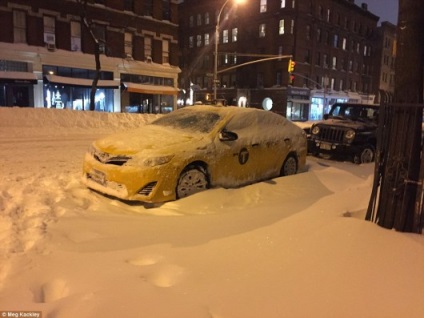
349, 130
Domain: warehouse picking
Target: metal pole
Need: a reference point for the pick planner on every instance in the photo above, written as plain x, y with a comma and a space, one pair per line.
215, 70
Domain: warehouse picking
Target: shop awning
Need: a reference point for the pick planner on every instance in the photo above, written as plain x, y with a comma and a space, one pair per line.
81, 82
299, 101
150, 89
18, 77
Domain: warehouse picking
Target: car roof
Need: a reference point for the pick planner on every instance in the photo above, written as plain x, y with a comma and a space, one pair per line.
223, 110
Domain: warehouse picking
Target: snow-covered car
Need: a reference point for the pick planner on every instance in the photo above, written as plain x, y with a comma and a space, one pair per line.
193, 149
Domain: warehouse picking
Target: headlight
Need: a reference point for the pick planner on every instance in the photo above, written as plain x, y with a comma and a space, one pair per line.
315, 130
350, 134
157, 161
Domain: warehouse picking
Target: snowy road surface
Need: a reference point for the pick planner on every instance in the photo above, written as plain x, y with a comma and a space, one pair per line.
291, 247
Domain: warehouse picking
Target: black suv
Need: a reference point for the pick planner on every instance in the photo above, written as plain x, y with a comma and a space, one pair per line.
348, 130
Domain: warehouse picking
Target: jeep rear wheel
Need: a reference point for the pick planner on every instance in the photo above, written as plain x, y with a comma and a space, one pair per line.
366, 155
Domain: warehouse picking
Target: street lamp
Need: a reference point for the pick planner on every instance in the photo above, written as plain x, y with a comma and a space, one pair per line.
215, 71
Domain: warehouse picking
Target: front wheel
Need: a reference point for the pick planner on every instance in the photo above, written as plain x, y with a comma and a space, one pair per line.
289, 166
366, 155
192, 180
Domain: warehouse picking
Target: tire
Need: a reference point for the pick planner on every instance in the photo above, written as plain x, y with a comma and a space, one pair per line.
366, 155
193, 179
289, 166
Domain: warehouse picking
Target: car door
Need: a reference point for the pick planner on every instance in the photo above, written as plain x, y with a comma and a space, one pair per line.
273, 144
237, 160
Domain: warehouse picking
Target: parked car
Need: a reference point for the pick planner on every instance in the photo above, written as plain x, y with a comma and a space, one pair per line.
193, 149
349, 130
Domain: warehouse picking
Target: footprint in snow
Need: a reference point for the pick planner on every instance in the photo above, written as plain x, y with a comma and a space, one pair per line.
145, 260
166, 276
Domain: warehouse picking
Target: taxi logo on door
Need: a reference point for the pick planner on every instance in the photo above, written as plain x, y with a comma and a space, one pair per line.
243, 156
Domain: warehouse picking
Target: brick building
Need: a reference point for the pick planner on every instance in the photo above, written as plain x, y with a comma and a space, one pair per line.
47, 54
385, 59
331, 41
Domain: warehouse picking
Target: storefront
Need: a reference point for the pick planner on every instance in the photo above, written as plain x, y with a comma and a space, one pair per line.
147, 94
73, 92
17, 88
298, 104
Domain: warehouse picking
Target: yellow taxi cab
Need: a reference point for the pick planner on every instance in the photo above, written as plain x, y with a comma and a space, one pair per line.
193, 149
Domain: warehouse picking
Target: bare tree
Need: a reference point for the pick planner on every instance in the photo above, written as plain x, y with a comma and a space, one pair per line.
88, 26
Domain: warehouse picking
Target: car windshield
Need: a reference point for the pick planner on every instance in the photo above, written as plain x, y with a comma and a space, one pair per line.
193, 121
356, 112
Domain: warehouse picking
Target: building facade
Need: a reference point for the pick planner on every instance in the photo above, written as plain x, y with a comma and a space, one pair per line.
331, 41
385, 60
47, 54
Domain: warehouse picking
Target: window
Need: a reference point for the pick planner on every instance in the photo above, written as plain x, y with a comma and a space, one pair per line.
148, 7
206, 38
19, 27
234, 34
147, 47
165, 52
325, 60
328, 15
199, 19
75, 36
344, 43
262, 30
278, 79
198, 40
283, 4
335, 41
226, 59
320, 12
225, 36
190, 42
281, 27
262, 6
291, 26
293, 3
166, 10
191, 21
207, 19
128, 44
308, 32
129, 5
319, 35
334, 63
307, 56
100, 34
49, 25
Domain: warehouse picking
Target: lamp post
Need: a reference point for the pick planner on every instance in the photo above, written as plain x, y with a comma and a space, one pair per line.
215, 70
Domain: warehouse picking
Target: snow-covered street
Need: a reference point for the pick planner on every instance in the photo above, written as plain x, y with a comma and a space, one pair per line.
295, 246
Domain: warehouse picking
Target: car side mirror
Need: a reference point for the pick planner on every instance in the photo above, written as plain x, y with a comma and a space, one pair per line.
326, 116
226, 135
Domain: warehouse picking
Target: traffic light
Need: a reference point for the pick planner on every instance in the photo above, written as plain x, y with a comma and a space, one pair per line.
291, 79
291, 65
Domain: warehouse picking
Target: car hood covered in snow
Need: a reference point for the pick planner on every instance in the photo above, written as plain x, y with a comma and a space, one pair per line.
147, 139
349, 123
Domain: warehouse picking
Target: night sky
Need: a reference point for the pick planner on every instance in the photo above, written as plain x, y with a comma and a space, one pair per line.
387, 10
